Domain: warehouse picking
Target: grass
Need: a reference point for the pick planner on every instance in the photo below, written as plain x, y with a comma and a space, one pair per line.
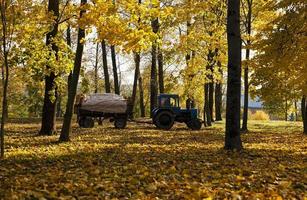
141, 162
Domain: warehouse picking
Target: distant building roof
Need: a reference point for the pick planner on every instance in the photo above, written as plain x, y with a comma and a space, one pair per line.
252, 103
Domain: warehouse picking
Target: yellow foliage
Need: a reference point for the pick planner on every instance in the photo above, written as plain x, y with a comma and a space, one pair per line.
259, 115
142, 162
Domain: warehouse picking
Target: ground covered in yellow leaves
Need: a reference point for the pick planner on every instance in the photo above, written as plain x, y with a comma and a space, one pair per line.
141, 162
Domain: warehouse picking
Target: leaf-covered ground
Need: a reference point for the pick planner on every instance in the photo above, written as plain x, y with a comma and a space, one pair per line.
142, 162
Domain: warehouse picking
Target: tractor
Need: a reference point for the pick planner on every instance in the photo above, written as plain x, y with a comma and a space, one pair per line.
169, 111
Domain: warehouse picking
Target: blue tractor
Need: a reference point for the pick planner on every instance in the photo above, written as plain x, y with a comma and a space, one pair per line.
169, 111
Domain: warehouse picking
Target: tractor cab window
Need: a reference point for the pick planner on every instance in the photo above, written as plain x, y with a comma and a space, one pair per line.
174, 102
164, 102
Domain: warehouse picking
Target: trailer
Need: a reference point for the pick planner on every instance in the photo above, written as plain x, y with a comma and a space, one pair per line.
99, 107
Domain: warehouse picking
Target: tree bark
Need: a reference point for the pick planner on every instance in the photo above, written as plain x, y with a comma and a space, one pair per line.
160, 70
211, 98
68, 41
105, 67
66, 128
286, 110
59, 108
5, 77
137, 60
115, 75
232, 135
49, 107
141, 90
295, 109
218, 101
96, 68
207, 106
153, 74
246, 83
304, 113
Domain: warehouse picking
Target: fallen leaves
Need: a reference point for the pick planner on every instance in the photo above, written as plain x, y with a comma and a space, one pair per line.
142, 162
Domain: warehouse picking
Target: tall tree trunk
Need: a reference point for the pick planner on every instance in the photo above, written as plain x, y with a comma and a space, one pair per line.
5, 77
59, 108
96, 68
5, 81
66, 128
304, 113
218, 101
141, 90
247, 54
286, 110
246, 95
137, 60
232, 135
207, 106
295, 109
211, 98
153, 74
160, 70
105, 67
116, 83
49, 107
68, 41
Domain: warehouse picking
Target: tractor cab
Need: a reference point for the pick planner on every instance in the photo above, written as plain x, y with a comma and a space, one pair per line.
168, 101
168, 111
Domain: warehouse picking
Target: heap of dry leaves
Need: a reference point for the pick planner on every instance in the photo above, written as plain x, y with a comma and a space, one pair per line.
141, 162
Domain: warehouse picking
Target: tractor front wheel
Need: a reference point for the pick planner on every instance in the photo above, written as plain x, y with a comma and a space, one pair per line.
194, 124
164, 120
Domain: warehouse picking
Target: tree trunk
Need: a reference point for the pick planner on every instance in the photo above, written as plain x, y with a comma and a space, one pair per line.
59, 108
105, 67
5, 76
304, 113
5, 80
66, 128
153, 74
96, 68
295, 109
207, 106
246, 83
218, 102
141, 90
232, 135
211, 98
49, 107
286, 110
68, 41
246, 95
218, 95
116, 83
137, 60
161, 73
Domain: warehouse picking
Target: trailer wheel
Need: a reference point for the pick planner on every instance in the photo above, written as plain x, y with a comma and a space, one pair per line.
86, 122
120, 123
164, 120
194, 124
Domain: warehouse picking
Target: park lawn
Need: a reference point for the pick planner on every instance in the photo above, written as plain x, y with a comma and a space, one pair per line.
141, 162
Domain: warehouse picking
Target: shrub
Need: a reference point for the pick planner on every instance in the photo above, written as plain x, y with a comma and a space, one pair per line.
259, 115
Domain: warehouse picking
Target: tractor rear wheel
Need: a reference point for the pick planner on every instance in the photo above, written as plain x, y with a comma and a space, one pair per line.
194, 124
86, 122
164, 120
120, 123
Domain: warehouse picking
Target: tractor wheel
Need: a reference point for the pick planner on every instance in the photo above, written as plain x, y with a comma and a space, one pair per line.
164, 120
86, 122
120, 123
194, 124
